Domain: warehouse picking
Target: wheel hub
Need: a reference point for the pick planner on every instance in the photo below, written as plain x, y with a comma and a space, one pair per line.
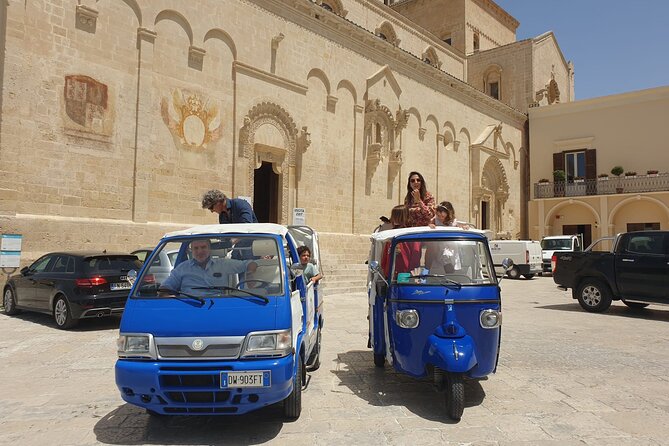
591, 296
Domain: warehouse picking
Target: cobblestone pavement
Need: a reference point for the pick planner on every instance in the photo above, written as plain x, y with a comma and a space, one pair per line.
566, 377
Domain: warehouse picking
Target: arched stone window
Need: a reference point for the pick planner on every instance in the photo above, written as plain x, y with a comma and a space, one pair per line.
492, 81
386, 32
334, 6
430, 57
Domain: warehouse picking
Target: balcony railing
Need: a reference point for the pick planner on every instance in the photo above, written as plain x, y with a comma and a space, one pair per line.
603, 186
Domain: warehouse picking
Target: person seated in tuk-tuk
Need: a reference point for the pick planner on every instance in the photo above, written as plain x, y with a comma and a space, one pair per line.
310, 272
203, 271
408, 254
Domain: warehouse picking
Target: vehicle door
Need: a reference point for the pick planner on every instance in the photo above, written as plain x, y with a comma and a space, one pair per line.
54, 277
28, 282
304, 235
641, 266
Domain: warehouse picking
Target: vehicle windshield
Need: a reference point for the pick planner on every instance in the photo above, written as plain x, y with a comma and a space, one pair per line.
556, 244
221, 266
442, 262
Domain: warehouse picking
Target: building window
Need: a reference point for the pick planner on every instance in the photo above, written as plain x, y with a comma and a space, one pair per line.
387, 33
494, 89
631, 227
476, 42
574, 165
448, 40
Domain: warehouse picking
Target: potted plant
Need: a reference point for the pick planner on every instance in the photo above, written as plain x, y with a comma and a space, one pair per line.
579, 179
630, 173
558, 183
559, 175
652, 172
617, 171
544, 180
603, 176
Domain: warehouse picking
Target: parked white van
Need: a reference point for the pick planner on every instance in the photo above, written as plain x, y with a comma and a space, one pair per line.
562, 243
526, 256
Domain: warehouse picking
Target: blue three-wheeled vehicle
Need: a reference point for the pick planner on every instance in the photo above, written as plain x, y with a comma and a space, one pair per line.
435, 307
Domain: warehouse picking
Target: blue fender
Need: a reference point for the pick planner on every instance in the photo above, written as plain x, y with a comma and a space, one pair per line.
451, 354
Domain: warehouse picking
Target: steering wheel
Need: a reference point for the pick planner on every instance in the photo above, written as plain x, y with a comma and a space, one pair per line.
262, 283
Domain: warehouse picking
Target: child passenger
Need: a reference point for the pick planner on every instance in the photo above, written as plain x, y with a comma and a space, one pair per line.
311, 273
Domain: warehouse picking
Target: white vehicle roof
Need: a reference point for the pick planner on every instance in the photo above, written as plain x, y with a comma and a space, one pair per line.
557, 237
243, 228
385, 235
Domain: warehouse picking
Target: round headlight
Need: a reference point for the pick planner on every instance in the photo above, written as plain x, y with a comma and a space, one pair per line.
407, 318
491, 318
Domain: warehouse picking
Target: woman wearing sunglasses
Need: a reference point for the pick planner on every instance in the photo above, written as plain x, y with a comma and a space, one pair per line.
418, 201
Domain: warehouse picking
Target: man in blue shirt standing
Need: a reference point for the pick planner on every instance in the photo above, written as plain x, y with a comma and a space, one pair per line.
229, 210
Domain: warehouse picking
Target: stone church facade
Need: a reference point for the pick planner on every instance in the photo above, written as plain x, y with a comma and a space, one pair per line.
118, 114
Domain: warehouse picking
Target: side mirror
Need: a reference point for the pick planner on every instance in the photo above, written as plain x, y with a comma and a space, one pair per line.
507, 264
132, 276
374, 266
24, 270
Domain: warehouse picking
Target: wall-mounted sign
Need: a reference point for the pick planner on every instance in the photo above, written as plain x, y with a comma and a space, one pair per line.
299, 217
10, 259
10, 250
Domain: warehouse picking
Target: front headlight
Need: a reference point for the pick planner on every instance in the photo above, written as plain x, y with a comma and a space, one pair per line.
268, 344
407, 318
138, 345
490, 318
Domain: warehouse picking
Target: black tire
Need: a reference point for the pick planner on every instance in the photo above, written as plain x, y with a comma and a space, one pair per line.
315, 357
62, 314
379, 360
9, 302
292, 406
455, 395
528, 276
513, 273
594, 296
635, 305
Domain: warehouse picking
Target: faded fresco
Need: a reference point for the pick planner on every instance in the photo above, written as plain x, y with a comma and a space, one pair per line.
87, 107
192, 120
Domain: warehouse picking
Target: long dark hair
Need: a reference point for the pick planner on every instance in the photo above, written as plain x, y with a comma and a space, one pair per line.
447, 207
423, 188
399, 216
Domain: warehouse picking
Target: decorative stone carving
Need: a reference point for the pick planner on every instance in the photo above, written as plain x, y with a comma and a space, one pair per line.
146, 35
421, 133
86, 18
192, 120
276, 40
331, 102
401, 119
303, 140
394, 164
551, 92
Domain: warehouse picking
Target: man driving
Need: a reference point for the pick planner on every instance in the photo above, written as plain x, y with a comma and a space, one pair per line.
203, 271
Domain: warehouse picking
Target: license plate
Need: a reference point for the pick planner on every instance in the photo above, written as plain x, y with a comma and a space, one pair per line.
120, 286
256, 378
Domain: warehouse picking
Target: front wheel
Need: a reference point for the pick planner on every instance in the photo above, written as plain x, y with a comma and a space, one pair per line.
513, 273
292, 406
455, 395
62, 315
9, 302
635, 305
594, 296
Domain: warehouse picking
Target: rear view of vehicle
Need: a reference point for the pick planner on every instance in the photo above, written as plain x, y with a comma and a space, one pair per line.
525, 254
226, 333
558, 244
72, 286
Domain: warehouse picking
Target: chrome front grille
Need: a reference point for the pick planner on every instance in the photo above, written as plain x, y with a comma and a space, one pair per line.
215, 347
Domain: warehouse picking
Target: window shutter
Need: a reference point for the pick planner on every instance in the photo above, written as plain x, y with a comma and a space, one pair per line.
591, 164
558, 161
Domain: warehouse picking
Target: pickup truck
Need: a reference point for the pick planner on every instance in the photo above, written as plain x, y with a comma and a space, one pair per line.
635, 271
555, 243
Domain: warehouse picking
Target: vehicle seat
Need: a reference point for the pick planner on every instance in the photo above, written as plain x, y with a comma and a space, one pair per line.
268, 269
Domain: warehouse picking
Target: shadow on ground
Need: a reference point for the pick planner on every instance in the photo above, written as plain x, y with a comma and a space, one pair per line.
88, 324
615, 310
131, 425
386, 387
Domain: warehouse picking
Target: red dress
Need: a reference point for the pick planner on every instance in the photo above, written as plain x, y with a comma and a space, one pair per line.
421, 213
407, 258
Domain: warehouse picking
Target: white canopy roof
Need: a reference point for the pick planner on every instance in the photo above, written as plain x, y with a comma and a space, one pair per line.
385, 235
244, 228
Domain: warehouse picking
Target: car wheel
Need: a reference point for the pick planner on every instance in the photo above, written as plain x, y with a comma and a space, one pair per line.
635, 305
528, 276
513, 273
594, 296
455, 395
379, 360
62, 314
9, 302
315, 357
292, 406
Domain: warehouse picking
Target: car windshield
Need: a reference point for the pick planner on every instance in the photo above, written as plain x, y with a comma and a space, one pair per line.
556, 243
220, 266
442, 262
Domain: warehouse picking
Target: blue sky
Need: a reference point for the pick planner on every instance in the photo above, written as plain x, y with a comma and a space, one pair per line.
616, 46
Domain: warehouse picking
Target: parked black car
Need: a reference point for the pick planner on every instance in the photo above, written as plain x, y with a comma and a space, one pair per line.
72, 286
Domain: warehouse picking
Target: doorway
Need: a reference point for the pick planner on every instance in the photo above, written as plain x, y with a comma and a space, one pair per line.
485, 215
266, 193
586, 230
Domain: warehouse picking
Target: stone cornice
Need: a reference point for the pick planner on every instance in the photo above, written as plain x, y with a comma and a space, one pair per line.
500, 13
269, 77
356, 38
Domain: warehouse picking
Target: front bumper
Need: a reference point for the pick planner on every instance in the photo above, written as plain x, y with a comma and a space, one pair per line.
193, 388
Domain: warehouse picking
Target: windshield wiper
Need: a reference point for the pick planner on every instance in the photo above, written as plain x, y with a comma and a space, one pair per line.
181, 293
229, 288
439, 276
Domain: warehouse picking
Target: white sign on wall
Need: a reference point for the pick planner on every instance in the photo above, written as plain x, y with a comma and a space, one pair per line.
10, 242
299, 217
10, 259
